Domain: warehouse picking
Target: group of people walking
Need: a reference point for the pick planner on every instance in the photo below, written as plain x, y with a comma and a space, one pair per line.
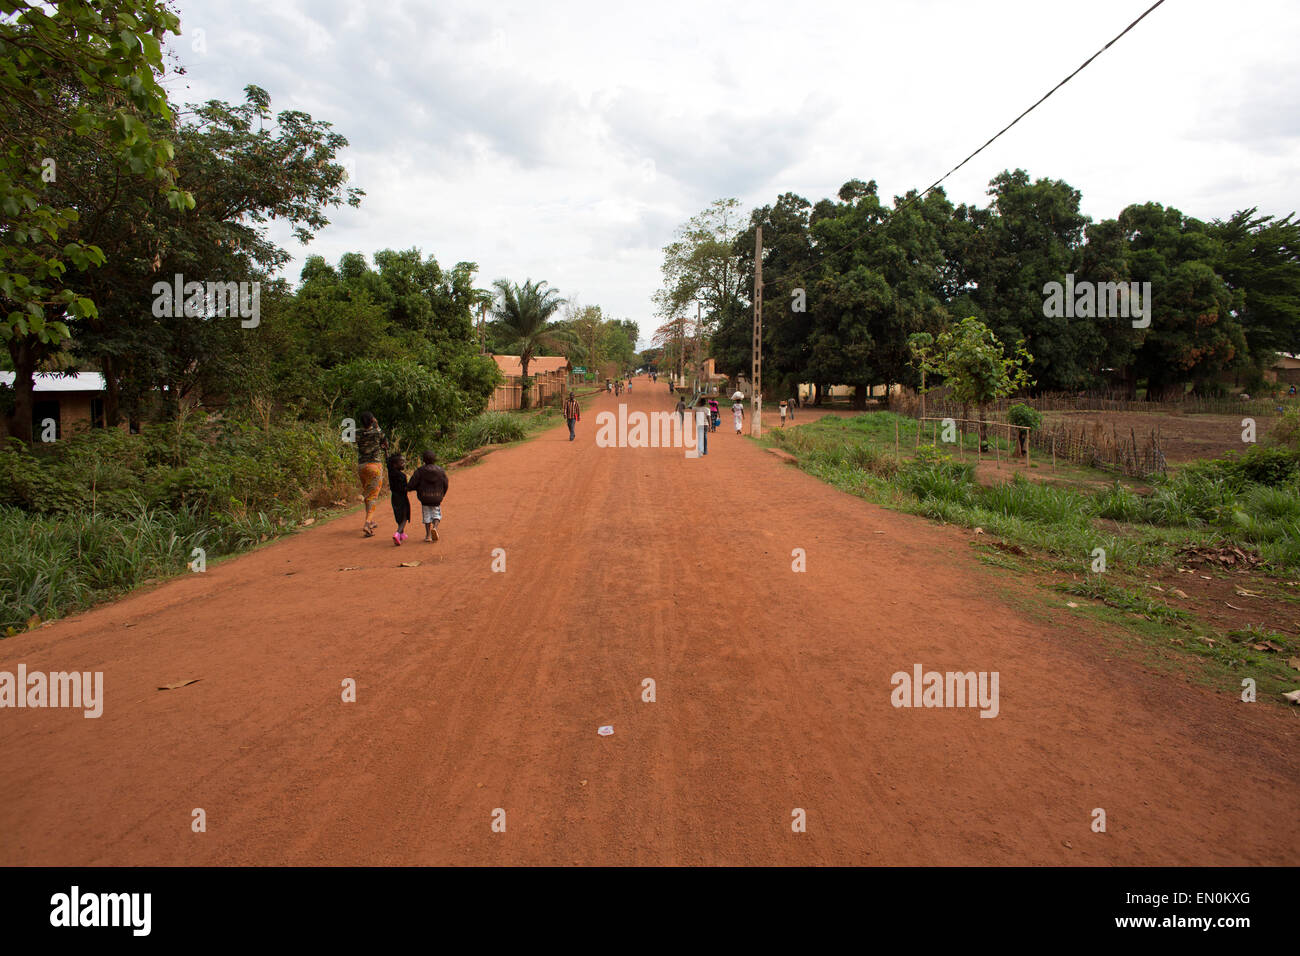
429, 482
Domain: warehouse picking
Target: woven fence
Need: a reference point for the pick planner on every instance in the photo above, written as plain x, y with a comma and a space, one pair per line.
1093, 444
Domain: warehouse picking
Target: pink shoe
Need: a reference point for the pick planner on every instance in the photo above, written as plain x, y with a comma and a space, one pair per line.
403, 533
397, 538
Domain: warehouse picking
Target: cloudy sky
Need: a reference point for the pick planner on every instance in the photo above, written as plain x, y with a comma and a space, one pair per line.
568, 140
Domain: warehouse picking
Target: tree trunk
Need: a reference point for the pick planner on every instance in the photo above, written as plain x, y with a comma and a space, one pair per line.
984, 430
112, 395
24, 358
860, 397
524, 397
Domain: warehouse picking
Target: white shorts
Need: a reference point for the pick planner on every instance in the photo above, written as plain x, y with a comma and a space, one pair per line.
432, 513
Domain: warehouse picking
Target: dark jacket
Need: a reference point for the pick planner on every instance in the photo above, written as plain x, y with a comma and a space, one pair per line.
429, 484
396, 482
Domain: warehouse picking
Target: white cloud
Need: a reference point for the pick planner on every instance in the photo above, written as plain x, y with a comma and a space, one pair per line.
566, 141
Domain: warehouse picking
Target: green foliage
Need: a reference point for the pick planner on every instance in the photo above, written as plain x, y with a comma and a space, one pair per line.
415, 405
492, 428
102, 511
975, 366
1025, 416
1209, 502
87, 72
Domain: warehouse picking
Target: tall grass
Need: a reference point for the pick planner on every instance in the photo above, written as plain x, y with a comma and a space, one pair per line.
53, 564
1213, 502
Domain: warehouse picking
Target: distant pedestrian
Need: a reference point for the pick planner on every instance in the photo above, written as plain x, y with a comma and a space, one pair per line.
371, 444
701, 427
398, 495
429, 482
738, 415
681, 411
784, 409
572, 413
714, 417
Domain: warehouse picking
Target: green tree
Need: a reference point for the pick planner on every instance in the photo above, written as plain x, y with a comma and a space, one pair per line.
1194, 334
83, 72
244, 167
1029, 235
523, 313
977, 369
1260, 263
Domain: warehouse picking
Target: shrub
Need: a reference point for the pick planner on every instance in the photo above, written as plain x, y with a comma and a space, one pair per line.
491, 428
1025, 416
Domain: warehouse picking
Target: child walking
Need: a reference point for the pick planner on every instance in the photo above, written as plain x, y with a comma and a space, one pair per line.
429, 482
397, 491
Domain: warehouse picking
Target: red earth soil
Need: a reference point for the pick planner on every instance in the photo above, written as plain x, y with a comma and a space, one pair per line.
480, 689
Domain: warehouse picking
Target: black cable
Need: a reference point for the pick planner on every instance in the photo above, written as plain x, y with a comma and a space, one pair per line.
922, 195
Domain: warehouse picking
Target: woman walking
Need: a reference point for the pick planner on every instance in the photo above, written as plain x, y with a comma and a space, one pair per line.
371, 444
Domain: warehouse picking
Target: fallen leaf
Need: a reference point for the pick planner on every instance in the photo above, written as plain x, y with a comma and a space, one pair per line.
349, 569
1234, 607
1067, 844
1273, 645
309, 522
184, 683
1293, 696
1209, 641
1070, 604
409, 564
1294, 662
1244, 593
1178, 592
1156, 587
979, 530
584, 783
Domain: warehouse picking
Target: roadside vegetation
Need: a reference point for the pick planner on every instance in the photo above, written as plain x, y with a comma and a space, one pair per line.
1050, 527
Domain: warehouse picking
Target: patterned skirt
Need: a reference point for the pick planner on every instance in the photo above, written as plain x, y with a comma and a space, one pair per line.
371, 476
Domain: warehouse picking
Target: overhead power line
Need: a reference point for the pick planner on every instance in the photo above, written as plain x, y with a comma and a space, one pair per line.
1038, 102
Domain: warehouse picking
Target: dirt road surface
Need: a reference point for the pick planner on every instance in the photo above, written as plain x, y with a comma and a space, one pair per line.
480, 690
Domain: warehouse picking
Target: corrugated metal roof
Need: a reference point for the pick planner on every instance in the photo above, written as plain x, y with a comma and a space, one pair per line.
79, 382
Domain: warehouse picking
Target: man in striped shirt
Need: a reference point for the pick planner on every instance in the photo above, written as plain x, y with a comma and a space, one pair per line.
572, 413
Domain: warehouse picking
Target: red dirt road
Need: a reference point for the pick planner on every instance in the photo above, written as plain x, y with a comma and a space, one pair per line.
479, 690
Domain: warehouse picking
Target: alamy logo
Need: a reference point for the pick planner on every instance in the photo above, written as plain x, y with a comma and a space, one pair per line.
953, 689
208, 300
1098, 300
56, 689
652, 430
103, 909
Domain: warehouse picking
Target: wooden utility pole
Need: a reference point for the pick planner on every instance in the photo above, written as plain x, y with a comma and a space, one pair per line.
756, 424
482, 328
698, 346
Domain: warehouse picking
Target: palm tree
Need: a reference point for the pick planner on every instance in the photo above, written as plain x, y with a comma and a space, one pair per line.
524, 313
